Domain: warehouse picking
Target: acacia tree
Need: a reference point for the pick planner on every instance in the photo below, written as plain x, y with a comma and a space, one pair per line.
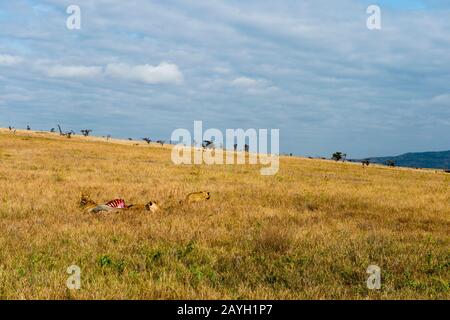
390, 163
337, 156
148, 140
207, 144
86, 132
365, 162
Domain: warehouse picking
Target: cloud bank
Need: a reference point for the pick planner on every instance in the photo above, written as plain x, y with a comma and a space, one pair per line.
73, 71
8, 60
164, 73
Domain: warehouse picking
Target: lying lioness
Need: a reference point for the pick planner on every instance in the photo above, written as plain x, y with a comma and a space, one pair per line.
118, 204
152, 206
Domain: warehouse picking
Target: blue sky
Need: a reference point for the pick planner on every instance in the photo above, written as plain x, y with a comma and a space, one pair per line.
401, 4
309, 68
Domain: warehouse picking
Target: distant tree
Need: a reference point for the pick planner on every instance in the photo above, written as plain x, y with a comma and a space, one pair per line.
130, 139
390, 163
86, 132
28, 128
207, 144
337, 156
68, 134
52, 130
365, 162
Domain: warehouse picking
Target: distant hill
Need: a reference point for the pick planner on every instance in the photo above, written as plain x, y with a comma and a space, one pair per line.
433, 160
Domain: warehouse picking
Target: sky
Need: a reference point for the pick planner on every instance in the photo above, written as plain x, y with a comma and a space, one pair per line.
312, 69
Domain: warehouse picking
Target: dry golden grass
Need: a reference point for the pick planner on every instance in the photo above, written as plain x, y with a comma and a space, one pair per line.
309, 232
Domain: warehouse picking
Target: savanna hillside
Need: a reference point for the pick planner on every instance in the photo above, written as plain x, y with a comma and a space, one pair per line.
309, 232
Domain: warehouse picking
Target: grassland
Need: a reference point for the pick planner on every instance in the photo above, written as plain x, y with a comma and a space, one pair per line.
309, 232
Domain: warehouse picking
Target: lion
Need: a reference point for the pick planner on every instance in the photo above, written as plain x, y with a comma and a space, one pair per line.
86, 203
196, 197
152, 206
90, 206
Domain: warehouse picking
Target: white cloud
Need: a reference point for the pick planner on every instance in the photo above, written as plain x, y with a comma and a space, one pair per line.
444, 98
221, 70
8, 60
244, 82
254, 86
13, 97
164, 73
60, 71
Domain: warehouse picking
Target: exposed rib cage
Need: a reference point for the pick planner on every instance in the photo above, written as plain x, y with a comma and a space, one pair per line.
117, 204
